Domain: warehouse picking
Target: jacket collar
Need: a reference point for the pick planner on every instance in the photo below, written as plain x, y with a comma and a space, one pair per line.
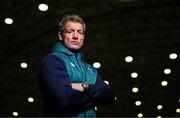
60, 48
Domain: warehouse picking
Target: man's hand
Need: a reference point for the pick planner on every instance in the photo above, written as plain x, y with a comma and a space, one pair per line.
77, 86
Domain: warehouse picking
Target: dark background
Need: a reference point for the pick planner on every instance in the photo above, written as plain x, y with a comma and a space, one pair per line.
147, 30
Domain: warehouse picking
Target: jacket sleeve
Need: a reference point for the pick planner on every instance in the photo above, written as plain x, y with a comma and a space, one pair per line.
101, 93
55, 77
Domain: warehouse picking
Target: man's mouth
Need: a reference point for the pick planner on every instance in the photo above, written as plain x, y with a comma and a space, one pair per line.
75, 42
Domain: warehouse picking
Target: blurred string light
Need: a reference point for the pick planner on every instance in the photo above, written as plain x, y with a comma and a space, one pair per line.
106, 82
159, 116
167, 71
95, 108
134, 75
43, 7
135, 89
96, 65
23, 65
129, 59
140, 115
15, 113
8, 21
159, 107
138, 103
164, 83
30, 99
173, 56
178, 110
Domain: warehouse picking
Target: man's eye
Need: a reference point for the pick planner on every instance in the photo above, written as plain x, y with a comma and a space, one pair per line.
80, 32
69, 31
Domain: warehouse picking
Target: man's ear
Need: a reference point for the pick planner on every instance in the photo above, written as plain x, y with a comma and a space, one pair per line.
60, 36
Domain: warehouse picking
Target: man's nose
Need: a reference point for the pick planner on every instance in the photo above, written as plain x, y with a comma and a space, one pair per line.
75, 35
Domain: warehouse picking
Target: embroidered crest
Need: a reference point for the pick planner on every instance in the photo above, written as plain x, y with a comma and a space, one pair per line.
90, 69
72, 64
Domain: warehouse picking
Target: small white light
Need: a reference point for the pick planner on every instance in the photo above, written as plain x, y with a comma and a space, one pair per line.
164, 83
134, 75
178, 110
179, 100
43, 7
138, 103
173, 56
115, 98
23, 65
106, 82
15, 113
8, 21
140, 115
167, 71
95, 108
135, 89
159, 107
159, 116
129, 59
30, 99
96, 65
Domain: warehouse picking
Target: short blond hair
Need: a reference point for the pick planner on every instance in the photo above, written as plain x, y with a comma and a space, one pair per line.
72, 18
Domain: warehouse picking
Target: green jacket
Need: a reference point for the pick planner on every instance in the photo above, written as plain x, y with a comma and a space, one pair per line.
78, 70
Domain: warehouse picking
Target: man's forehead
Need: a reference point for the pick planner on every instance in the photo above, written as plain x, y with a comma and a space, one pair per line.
70, 24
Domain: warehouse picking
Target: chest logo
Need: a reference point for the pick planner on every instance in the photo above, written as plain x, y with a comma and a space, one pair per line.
72, 64
90, 70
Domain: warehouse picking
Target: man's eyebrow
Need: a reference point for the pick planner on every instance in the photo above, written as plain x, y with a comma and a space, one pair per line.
74, 29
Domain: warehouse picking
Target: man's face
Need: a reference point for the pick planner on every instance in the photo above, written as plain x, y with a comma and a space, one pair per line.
73, 36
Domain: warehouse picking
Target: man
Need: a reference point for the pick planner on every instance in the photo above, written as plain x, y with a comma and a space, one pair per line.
70, 87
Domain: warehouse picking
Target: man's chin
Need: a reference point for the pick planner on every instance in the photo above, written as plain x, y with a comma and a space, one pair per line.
75, 47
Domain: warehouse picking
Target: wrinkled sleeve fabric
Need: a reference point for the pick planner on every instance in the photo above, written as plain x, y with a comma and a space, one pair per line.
53, 72
101, 93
